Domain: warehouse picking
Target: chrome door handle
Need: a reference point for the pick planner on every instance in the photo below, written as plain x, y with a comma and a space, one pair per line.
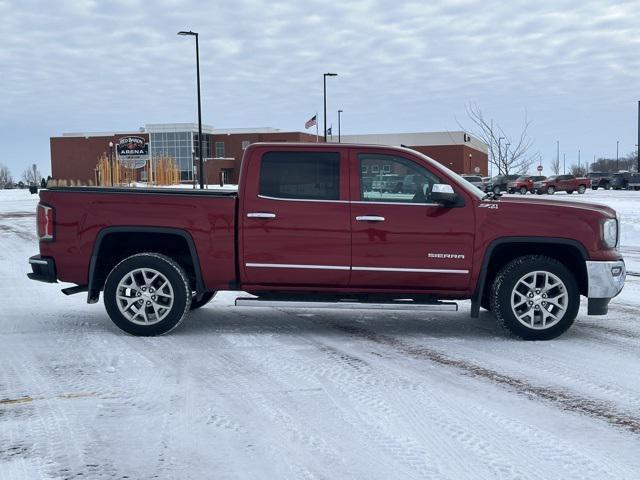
370, 218
261, 215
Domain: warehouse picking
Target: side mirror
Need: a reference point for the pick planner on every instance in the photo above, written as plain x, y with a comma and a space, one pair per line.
444, 194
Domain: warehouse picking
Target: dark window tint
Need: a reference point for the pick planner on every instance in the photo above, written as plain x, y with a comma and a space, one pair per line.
304, 175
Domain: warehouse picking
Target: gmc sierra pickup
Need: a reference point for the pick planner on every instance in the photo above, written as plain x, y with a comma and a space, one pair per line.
302, 231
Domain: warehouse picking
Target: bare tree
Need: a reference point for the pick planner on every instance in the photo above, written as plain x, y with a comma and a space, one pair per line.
555, 166
518, 157
31, 175
577, 170
5, 175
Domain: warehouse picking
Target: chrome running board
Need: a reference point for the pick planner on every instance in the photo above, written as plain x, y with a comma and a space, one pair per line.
349, 305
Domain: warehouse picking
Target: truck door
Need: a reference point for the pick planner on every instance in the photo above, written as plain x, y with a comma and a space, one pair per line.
400, 238
294, 218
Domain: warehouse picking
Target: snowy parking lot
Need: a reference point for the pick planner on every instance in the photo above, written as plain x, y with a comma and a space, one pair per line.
293, 394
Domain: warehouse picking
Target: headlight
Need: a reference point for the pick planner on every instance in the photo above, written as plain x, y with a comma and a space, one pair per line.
610, 233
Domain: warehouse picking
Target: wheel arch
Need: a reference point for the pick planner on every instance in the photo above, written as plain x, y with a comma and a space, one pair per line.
173, 242
502, 250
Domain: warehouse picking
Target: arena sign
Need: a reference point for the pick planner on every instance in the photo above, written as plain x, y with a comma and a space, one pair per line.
133, 152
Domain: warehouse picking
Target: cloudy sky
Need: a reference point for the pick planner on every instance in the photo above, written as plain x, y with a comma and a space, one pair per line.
573, 66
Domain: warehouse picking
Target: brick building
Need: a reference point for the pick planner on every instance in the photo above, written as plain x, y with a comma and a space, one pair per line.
74, 155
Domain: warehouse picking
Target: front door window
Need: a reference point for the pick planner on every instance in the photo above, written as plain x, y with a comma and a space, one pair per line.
396, 180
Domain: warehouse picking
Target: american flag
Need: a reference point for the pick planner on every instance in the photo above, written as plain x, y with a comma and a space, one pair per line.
311, 122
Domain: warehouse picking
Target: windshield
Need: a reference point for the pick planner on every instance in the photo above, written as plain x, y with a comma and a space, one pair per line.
523, 178
552, 177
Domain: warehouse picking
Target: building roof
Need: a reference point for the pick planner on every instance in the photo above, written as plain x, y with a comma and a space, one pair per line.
416, 139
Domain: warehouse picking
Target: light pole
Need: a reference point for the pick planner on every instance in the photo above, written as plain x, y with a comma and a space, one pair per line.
578, 159
324, 78
111, 161
499, 156
200, 168
564, 163
339, 113
558, 153
506, 153
617, 157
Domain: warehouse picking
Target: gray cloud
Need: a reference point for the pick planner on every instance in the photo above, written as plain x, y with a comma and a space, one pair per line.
83, 65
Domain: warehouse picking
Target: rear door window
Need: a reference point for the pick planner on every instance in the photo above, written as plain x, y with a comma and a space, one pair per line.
300, 175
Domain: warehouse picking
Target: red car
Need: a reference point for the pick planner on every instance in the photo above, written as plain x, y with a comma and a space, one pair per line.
562, 183
302, 231
524, 184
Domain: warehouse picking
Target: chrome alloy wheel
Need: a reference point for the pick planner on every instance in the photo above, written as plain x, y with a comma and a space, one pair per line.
539, 300
144, 296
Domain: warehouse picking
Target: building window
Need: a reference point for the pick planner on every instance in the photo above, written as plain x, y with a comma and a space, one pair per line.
374, 168
305, 175
226, 174
245, 144
219, 149
364, 169
386, 168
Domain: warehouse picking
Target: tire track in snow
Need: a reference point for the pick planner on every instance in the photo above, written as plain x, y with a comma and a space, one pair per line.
566, 401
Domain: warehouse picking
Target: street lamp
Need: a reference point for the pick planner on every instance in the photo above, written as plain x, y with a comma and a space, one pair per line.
324, 78
617, 157
111, 161
339, 112
200, 169
499, 156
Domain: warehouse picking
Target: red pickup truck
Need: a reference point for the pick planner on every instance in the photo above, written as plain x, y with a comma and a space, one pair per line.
562, 183
304, 229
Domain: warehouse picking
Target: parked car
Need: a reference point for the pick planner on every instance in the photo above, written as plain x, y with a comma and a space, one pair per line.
524, 184
475, 180
387, 183
562, 183
620, 180
599, 180
499, 183
633, 181
297, 233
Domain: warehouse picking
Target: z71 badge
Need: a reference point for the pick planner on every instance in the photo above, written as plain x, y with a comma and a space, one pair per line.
491, 206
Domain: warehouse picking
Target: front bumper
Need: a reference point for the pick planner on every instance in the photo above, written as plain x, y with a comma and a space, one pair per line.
606, 280
43, 269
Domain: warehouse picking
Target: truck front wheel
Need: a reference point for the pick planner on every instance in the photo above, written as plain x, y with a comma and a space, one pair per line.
147, 294
535, 297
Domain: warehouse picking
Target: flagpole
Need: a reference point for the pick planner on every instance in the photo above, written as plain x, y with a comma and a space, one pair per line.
317, 127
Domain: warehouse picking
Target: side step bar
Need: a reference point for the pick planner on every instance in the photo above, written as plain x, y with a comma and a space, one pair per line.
349, 305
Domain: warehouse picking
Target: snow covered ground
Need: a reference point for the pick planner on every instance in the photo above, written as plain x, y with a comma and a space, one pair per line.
291, 394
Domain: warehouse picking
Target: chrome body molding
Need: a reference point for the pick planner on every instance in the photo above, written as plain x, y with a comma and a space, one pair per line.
416, 270
360, 269
606, 279
293, 265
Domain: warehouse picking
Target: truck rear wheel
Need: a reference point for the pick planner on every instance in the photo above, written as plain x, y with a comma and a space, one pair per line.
535, 297
147, 294
523, 190
582, 189
551, 190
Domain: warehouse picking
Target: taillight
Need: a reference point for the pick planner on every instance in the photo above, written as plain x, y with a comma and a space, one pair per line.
44, 219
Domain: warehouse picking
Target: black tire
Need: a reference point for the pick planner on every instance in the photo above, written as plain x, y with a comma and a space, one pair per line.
569, 192
523, 190
551, 190
206, 298
582, 189
594, 188
178, 282
607, 187
496, 190
505, 283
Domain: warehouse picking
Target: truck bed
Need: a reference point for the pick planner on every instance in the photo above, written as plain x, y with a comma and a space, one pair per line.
84, 216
